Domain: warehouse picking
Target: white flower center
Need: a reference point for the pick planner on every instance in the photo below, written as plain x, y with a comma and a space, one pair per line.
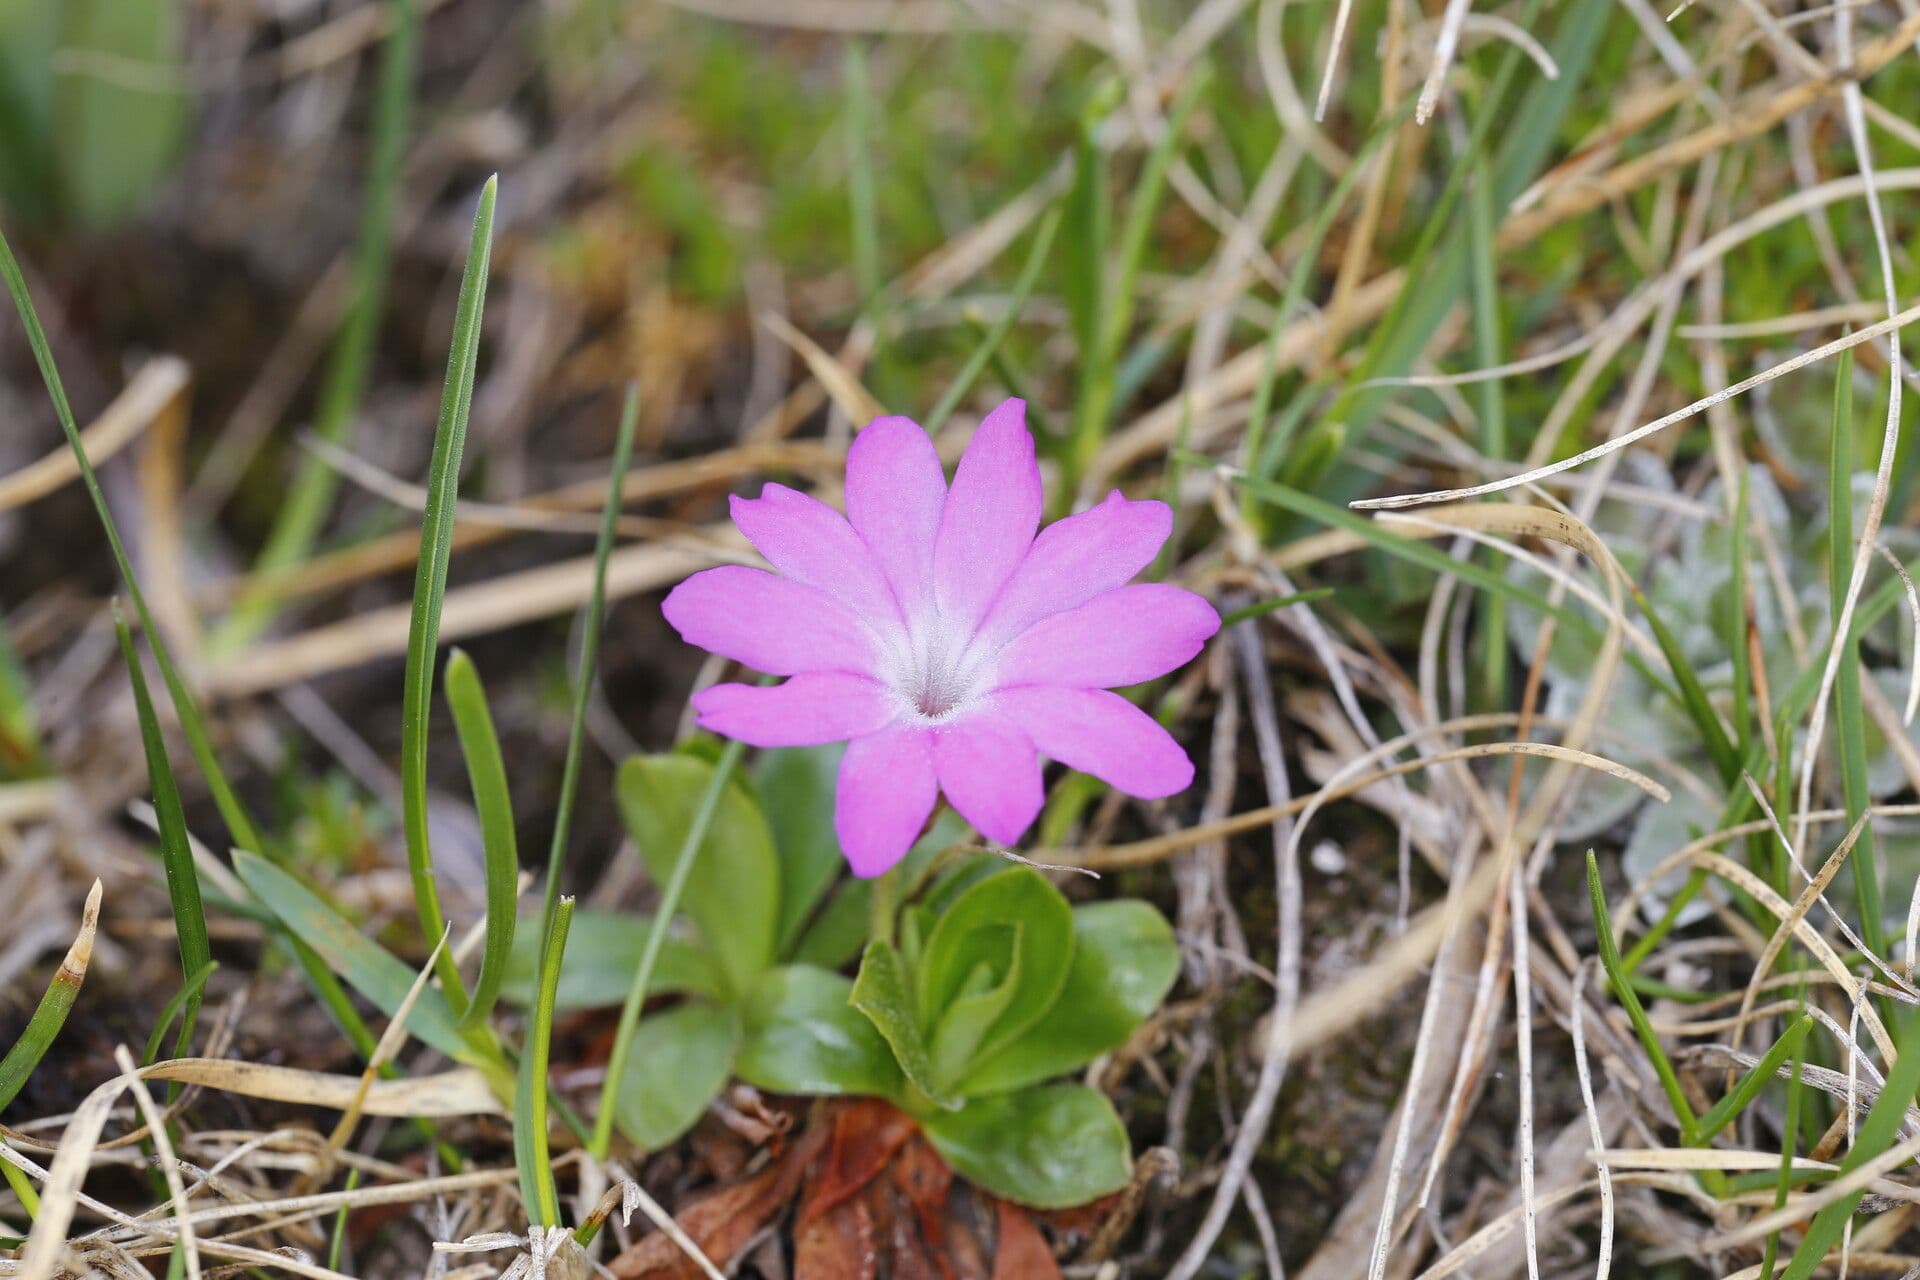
935, 671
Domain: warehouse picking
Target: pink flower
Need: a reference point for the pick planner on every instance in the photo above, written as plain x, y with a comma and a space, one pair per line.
949, 646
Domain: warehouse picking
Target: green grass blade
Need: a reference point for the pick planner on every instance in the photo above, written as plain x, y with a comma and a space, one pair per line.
589, 655
20, 751
1271, 606
304, 510
1849, 712
1789, 1140
175, 1006
1256, 446
487, 774
1728, 1109
1640, 950
369, 968
1148, 189
1436, 269
1693, 695
530, 1152
1490, 638
430, 582
1089, 227
670, 895
1875, 1135
997, 334
51, 1013
233, 812
1734, 627
1106, 323
1630, 1001
176, 851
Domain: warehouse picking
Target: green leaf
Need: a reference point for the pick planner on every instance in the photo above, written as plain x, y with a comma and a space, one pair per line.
732, 893
680, 1062
1021, 929
803, 1035
487, 775
1124, 962
368, 968
1049, 1147
115, 136
430, 580
796, 786
29, 34
970, 1015
604, 951
883, 992
839, 930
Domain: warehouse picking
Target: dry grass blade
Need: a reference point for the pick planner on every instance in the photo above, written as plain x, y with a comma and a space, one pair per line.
470, 610
459, 1092
841, 383
159, 383
390, 1043
1896, 322
163, 1147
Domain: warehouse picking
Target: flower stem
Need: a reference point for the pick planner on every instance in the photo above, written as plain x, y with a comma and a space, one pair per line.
643, 972
884, 905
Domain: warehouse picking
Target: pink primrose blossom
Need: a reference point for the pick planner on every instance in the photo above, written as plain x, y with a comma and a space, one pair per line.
946, 644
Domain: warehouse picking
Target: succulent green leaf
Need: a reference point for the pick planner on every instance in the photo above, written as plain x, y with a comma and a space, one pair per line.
680, 1062
1021, 929
803, 1035
839, 929
1047, 1147
796, 786
884, 993
970, 1015
1124, 962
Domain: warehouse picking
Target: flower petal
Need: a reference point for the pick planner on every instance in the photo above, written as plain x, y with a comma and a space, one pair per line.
768, 622
1102, 734
886, 791
1118, 638
895, 492
809, 709
1075, 559
990, 517
808, 541
990, 770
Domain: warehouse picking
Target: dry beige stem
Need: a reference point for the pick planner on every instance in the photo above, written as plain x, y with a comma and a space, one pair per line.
157, 385
459, 1092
